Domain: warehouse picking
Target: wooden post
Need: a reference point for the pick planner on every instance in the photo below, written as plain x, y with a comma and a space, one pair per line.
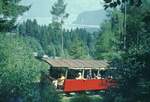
90, 71
66, 74
83, 73
98, 72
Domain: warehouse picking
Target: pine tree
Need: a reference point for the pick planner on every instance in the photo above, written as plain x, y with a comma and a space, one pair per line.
77, 50
59, 14
9, 11
58, 11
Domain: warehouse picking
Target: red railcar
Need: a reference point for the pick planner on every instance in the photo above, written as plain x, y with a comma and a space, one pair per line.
87, 85
83, 84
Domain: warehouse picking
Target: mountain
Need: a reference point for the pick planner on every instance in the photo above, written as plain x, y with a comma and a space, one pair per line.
91, 18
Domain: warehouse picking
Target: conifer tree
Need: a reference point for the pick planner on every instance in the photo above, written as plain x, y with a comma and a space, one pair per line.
59, 14
9, 11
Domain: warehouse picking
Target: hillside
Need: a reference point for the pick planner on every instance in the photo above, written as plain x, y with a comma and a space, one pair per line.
91, 18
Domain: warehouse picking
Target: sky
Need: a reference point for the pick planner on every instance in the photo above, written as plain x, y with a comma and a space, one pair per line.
40, 9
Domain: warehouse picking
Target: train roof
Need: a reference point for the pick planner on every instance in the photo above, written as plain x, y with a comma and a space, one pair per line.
77, 64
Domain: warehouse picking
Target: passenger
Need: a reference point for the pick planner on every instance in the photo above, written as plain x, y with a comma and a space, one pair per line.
60, 81
55, 83
79, 76
89, 76
97, 76
110, 77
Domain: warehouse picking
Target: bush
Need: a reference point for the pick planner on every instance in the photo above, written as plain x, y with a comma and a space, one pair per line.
19, 71
85, 98
82, 98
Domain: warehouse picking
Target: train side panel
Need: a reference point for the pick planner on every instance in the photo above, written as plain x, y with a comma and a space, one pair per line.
86, 85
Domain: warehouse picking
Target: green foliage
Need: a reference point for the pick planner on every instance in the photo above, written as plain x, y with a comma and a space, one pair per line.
85, 98
19, 69
47, 90
108, 43
58, 12
9, 11
115, 3
34, 44
82, 98
50, 38
77, 50
133, 67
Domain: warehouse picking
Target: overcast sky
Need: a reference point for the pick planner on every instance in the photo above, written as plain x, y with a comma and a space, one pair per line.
40, 9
